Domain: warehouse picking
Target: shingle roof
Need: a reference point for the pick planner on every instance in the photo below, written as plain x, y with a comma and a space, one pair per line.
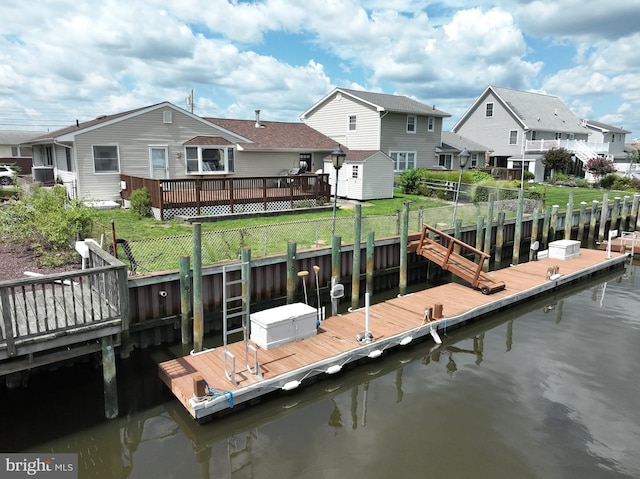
15, 137
395, 103
276, 135
458, 142
540, 112
606, 128
207, 140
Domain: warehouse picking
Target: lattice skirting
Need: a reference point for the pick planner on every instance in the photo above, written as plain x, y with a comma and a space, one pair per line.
221, 210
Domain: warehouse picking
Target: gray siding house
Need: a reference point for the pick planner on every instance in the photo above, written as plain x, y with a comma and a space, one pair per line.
404, 129
165, 141
519, 127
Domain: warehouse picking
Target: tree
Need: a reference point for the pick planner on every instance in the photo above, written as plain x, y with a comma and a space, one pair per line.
600, 167
557, 159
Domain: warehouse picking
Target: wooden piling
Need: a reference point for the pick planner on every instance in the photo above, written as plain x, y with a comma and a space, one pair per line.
245, 258
185, 298
518, 229
624, 213
198, 307
479, 236
568, 218
545, 227
615, 214
370, 262
593, 221
553, 223
635, 205
109, 377
499, 236
336, 265
404, 240
291, 271
581, 220
534, 234
604, 214
488, 231
357, 251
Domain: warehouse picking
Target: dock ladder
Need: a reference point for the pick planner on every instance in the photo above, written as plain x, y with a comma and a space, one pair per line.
237, 306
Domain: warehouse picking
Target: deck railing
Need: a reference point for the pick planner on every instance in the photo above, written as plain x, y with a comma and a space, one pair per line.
233, 191
40, 313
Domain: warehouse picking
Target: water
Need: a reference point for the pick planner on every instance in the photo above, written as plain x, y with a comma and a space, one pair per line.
545, 390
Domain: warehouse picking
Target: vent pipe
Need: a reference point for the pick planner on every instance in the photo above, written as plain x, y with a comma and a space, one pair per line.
258, 125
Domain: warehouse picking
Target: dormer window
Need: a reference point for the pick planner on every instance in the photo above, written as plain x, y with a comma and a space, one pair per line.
411, 124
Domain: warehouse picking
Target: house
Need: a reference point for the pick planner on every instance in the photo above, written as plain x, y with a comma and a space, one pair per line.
364, 175
611, 141
520, 126
14, 152
453, 144
164, 141
402, 128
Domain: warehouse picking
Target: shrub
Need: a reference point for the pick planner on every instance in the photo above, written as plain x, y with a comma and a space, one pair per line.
608, 181
410, 181
140, 202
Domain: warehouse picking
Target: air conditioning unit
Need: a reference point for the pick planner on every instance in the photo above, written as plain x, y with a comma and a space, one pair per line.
43, 174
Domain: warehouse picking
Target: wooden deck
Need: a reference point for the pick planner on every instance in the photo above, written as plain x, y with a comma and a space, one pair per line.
393, 323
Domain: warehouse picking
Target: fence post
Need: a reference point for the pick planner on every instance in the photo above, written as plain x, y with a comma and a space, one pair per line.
291, 270
185, 298
198, 308
355, 274
113, 239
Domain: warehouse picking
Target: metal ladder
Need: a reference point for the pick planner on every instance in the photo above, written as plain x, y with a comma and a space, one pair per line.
229, 311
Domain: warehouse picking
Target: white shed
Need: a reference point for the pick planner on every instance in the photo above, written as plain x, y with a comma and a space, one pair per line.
365, 175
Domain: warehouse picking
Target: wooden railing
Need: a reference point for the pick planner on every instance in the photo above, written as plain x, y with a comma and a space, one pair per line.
232, 191
48, 312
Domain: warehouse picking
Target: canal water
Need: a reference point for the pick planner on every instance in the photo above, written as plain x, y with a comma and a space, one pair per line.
548, 389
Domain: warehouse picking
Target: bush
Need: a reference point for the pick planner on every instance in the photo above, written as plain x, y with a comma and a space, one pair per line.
410, 181
608, 181
140, 202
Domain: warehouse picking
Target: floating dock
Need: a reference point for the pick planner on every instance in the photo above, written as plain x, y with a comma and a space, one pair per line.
201, 381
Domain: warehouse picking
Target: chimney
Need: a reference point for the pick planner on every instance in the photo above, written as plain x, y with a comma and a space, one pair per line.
77, 124
258, 125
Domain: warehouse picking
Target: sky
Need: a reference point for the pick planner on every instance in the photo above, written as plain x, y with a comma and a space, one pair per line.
62, 61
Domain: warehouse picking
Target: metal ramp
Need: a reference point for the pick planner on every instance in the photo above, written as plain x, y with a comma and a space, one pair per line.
445, 251
237, 306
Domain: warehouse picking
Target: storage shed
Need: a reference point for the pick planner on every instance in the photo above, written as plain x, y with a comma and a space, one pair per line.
365, 175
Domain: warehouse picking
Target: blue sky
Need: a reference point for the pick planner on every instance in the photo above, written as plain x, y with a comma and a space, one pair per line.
65, 60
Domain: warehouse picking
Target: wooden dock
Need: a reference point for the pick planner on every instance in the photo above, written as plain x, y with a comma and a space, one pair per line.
393, 323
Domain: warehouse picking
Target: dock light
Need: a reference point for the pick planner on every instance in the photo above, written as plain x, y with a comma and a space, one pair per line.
291, 385
376, 353
463, 158
303, 274
336, 368
406, 340
337, 159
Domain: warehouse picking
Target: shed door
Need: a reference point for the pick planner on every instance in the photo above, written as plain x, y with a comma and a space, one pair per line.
158, 156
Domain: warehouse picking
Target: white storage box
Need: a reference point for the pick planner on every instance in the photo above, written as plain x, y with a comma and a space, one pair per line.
564, 249
282, 325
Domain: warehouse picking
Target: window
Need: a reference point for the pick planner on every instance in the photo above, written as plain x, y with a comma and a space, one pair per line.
167, 116
513, 137
558, 136
352, 123
48, 156
430, 123
106, 159
403, 160
15, 151
613, 137
305, 162
473, 163
445, 160
66, 165
354, 171
411, 124
571, 136
488, 112
210, 159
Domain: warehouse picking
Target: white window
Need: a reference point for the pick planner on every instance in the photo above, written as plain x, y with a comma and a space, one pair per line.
403, 160
571, 136
488, 112
167, 116
513, 137
352, 123
354, 171
106, 159
66, 165
558, 135
474, 160
411, 124
445, 160
210, 159
430, 123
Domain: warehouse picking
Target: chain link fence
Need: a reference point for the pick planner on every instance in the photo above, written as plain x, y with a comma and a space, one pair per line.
162, 254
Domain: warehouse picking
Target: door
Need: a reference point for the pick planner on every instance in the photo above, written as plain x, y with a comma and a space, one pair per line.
159, 156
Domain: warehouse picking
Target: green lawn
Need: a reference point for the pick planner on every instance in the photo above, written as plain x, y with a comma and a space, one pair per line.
559, 195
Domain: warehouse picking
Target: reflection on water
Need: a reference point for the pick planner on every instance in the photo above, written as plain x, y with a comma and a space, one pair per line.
546, 389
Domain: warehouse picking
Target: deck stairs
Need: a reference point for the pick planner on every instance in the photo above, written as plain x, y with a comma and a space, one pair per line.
446, 251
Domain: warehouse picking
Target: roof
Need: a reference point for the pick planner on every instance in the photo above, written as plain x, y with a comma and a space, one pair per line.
604, 128
534, 111
15, 137
207, 140
276, 135
454, 141
384, 102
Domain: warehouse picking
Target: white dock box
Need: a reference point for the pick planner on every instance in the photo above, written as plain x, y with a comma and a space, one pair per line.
564, 249
284, 324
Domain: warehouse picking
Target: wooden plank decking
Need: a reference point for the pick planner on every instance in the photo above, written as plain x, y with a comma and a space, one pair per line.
335, 343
